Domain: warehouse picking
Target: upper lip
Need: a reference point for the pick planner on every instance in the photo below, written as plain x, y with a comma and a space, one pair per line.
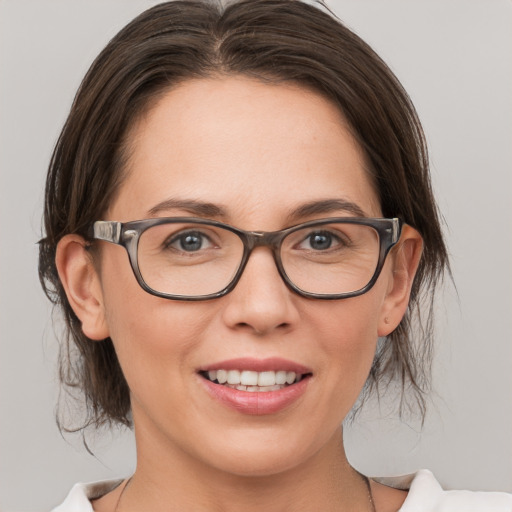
257, 365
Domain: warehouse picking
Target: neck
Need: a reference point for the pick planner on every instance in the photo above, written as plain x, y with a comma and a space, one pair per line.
168, 479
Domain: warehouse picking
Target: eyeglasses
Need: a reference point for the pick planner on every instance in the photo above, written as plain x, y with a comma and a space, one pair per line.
186, 258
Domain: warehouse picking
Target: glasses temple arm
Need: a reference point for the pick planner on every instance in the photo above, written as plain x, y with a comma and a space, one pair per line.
107, 230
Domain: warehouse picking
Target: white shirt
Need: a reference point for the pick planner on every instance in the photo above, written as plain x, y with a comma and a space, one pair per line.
425, 495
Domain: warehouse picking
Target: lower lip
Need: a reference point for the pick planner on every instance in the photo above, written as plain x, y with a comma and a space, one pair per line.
257, 403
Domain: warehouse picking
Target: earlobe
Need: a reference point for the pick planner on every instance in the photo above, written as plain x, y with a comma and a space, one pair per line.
407, 255
82, 285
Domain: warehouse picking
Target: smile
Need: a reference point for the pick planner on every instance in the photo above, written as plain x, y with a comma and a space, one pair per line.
255, 386
252, 381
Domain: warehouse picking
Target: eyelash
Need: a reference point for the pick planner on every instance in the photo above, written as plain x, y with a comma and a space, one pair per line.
180, 237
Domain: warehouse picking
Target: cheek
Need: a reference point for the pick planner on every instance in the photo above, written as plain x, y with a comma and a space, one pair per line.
349, 327
153, 330
346, 334
153, 337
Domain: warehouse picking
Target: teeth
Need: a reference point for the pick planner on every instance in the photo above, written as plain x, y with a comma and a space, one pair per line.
233, 377
247, 380
280, 377
222, 376
290, 377
267, 379
253, 389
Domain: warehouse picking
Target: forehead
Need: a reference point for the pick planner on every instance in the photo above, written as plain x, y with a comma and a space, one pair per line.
244, 144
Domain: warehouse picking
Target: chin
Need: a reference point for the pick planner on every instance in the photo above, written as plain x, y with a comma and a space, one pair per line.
247, 455
259, 467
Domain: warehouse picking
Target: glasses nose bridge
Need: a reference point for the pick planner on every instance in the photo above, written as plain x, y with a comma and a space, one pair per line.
269, 239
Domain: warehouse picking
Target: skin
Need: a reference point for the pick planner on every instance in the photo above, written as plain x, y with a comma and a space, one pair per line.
259, 151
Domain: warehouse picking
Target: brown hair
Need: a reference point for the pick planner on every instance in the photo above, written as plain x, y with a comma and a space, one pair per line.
277, 40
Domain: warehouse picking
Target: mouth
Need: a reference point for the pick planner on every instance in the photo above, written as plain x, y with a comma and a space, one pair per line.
256, 386
253, 381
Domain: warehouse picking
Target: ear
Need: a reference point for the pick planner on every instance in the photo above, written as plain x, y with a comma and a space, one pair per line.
82, 285
406, 258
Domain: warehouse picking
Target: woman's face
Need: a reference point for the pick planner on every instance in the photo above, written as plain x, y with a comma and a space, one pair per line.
251, 155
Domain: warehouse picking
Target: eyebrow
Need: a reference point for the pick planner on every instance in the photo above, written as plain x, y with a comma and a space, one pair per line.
209, 210
196, 208
327, 206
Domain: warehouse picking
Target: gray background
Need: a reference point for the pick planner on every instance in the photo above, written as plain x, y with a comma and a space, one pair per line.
454, 58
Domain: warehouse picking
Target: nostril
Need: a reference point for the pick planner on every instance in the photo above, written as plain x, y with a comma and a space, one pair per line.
257, 329
284, 326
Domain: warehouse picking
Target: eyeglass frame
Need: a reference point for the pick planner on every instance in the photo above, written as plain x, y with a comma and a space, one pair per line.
127, 235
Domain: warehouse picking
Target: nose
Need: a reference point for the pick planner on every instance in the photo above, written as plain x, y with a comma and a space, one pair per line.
261, 302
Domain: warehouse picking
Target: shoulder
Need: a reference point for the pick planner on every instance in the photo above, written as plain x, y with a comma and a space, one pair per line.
80, 497
426, 495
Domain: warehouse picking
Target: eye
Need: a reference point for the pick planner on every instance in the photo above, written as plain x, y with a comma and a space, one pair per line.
320, 241
190, 241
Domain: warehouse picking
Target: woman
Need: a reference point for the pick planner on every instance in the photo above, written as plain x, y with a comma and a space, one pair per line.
267, 176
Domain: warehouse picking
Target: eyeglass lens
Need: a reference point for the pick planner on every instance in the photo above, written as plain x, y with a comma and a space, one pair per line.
196, 259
